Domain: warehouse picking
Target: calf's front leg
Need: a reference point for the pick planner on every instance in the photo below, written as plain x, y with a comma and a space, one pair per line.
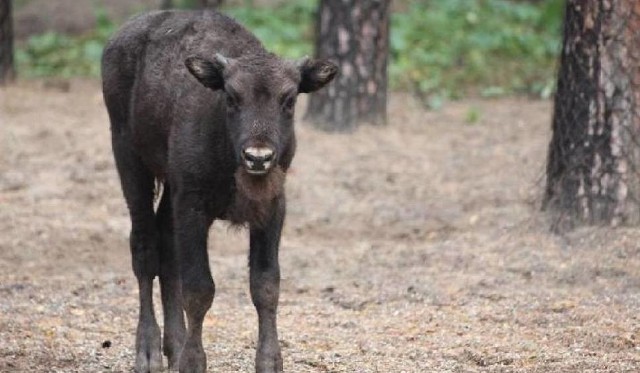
170, 288
264, 277
198, 289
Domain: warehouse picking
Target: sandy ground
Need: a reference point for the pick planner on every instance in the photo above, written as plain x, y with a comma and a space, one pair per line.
418, 247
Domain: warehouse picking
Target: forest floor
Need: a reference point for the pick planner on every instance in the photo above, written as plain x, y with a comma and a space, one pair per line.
416, 247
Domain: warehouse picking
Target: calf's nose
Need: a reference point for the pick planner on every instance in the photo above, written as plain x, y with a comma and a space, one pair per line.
258, 160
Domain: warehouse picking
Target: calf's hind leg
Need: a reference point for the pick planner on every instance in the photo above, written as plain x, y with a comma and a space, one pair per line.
138, 188
191, 228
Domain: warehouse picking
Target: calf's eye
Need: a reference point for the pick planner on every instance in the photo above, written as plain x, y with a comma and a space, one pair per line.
288, 104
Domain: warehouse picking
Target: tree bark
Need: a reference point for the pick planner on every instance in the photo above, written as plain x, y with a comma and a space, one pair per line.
7, 68
355, 35
594, 154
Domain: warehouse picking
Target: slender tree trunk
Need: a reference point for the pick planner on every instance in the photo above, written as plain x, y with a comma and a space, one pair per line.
7, 69
594, 155
355, 34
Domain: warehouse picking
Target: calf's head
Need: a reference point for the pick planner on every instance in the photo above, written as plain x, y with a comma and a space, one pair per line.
260, 94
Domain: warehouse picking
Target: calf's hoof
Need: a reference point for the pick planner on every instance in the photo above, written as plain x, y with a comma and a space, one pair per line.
192, 359
174, 362
172, 347
148, 364
269, 364
148, 355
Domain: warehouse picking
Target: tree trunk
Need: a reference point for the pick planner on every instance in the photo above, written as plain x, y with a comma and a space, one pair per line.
594, 154
7, 69
355, 35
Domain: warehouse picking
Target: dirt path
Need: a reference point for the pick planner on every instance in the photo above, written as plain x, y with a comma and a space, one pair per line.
412, 248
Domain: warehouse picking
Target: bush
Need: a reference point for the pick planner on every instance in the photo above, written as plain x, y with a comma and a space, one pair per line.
53, 54
286, 30
450, 48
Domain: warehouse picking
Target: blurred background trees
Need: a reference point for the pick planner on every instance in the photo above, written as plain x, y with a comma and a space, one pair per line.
440, 50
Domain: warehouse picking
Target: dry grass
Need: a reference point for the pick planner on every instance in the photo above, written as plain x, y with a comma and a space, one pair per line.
413, 248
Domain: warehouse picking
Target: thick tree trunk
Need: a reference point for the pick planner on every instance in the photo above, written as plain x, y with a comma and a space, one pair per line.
7, 69
355, 35
594, 155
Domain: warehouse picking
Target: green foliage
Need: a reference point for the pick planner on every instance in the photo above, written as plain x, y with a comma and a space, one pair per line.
440, 49
53, 54
450, 48
473, 115
286, 30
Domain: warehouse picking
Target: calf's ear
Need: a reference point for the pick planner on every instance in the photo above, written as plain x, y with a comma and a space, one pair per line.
209, 73
315, 74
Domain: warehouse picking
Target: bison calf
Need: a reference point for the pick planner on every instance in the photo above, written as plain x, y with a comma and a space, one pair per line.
197, 103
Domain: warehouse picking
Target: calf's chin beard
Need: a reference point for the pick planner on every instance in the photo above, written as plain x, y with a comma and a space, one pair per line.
255, 196
264, 187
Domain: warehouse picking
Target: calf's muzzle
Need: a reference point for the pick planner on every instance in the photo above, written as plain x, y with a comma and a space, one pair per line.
258, 159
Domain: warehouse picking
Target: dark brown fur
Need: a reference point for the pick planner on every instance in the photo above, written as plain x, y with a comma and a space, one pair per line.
188, 94
255, 196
